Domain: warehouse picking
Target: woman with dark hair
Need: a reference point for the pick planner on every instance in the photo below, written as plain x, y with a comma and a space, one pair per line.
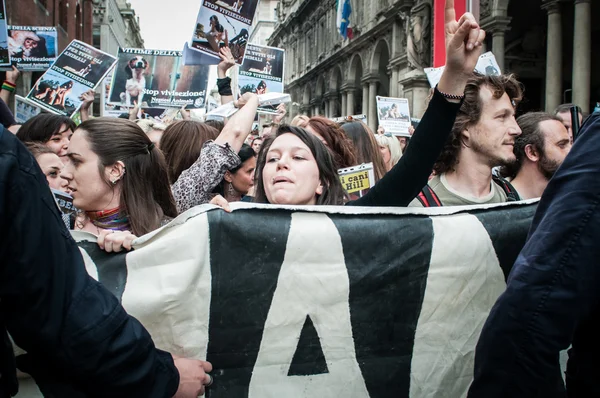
333, 137
366, 147
239, 180
118, 180
182, 143
197, 168
297, 169
54, 131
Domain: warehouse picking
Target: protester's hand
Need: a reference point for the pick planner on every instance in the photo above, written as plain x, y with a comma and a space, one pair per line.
193, 377
281, 112
115, 241
411, 130
221, 202
185, 114
247, 97
87, 99
133, 112
464, 39
380, 130
12, 76
227, 61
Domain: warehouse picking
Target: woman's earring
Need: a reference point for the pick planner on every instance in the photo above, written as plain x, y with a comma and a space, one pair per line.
114, 182
232, 191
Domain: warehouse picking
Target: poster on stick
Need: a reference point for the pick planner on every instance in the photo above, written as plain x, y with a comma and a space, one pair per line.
25, 110
79, 68
262, 72
394, 115
4, 52
357, 180
220, 23
32, 48
157, 79
486, 65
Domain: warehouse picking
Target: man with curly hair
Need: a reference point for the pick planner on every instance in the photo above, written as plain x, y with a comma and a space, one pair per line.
482, 138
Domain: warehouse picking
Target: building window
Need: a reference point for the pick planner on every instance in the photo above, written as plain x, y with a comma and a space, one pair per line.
63, 14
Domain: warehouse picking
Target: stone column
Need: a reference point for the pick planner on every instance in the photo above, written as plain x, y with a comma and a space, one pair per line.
373, 105
344, 104
365, 99
497, 26
331, 106
553, 56
582, 46
350, 102
394, 82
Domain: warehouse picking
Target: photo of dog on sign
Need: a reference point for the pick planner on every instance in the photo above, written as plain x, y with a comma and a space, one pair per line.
136, 69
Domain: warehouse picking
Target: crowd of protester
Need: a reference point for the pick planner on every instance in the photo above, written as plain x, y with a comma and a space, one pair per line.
128, 177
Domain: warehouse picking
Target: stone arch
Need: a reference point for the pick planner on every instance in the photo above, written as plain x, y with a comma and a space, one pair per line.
355, 74
379, 67
320, 89
306, 95
336, 78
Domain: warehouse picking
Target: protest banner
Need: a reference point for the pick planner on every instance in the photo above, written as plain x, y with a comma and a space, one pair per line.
262, 72
336, 302
486, 65
357, 180
32, 48
264, 100
79, 68
394, 115
4, 52
157, 79
25, 110
351, 118
220, 23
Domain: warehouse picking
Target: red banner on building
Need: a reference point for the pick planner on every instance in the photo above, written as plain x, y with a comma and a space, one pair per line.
439, 42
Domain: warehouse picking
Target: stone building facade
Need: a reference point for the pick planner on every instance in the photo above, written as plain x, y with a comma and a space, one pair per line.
264, 23
115, 25
393, 43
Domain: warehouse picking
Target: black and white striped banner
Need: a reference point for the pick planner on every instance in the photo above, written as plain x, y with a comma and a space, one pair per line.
331, 302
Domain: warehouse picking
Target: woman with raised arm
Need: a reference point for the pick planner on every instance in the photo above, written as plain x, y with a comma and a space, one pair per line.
296, 168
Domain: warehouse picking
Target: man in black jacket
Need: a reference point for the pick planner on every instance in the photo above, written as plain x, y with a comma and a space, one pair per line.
552, 299
80, 341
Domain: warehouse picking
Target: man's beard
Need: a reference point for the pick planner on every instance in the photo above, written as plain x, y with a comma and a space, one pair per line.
547, 166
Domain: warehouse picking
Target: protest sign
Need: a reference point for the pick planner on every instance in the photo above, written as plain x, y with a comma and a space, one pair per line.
220, 23
4, 44
79, 68
394, 115
262, 72
336, 302
357, 180
25, 110
32, 48
157, 79
264, 100
486, 65
352, 118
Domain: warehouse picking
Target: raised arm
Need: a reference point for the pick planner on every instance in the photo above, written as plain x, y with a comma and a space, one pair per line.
239, 125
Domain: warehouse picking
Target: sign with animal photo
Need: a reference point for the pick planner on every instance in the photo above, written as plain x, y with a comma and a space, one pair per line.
221, 23
4, 52
486, 65
79, 68
394, 115
157, 79
357, 180
32, 48
25, 110
262, 72
337, 302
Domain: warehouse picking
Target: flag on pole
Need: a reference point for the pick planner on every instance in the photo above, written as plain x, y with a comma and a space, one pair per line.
344, 9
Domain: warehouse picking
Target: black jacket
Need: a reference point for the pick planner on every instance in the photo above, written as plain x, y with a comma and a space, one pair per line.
80, 340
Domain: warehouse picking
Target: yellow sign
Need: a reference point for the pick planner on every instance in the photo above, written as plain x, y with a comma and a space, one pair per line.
355, 182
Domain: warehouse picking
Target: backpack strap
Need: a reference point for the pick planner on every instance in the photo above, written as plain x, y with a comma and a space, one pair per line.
511, 193
428, 198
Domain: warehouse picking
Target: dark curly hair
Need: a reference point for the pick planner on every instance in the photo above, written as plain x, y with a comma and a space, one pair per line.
531, 134
470, 113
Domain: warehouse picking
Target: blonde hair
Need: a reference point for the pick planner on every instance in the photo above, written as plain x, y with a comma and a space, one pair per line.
394, 147
148, 124
300, 121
